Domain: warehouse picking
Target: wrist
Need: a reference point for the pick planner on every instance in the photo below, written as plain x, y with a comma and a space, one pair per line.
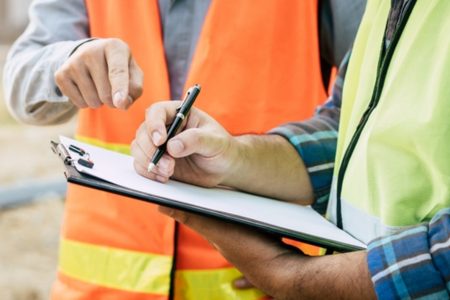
237, 158
83, 42
342, 276
267, 165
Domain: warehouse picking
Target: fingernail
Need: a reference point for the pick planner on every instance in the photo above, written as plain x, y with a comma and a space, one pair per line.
176, 146
240, 283
118, 98
156, 137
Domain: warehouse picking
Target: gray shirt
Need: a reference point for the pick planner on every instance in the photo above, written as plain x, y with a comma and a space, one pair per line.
58, 26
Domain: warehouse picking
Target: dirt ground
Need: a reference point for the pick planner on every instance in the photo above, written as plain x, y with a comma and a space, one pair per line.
29, 249
29, 233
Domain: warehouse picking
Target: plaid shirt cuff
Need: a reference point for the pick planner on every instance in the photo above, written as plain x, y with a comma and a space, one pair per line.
317, 148
414, 263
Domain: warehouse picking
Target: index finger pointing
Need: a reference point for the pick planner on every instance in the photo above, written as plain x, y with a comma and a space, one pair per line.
118, 56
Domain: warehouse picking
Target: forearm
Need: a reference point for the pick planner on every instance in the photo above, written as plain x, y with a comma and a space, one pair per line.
269, 165
315, 142
284, 273
342, 276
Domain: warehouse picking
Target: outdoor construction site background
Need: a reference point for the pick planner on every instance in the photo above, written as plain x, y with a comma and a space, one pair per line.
29, 231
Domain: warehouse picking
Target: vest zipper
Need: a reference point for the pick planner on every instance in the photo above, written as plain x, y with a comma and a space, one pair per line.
383, 67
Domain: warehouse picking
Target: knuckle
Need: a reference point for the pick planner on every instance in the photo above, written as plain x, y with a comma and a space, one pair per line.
196, 137
154, 117
150, 110
171, 166
90, 58
85, 55
93, 103
116, 43
117, 71
59, 77
149, 175
63, 71
79, 104
97, 104
73, 69
106, 99
162, 173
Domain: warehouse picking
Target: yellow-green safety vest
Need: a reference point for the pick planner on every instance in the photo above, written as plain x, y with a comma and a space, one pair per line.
393, 153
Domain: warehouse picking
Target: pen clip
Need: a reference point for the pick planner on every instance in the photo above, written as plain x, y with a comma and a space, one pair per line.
187, 98
184, 99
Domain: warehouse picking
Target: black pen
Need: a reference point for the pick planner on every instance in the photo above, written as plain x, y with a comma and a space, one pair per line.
182, 112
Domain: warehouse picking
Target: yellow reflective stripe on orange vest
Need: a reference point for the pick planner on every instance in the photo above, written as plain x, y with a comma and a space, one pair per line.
122, 148
211, 284
115, 268
111, 267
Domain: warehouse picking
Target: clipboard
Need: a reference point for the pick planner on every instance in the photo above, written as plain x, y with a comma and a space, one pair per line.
113, 172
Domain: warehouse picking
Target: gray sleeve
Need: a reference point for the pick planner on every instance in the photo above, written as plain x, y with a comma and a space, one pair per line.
339, 22
56, 28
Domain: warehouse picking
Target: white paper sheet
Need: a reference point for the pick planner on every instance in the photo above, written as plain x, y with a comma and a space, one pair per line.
118, 169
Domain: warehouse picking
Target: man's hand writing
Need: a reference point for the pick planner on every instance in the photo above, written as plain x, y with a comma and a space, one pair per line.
203, 152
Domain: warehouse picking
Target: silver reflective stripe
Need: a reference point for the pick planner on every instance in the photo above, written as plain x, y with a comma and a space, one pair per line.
358, 223
321, 167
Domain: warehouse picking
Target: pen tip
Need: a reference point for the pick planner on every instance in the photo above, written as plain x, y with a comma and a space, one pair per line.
151, 166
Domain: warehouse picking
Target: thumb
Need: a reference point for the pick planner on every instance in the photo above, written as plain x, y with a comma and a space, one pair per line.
195, 141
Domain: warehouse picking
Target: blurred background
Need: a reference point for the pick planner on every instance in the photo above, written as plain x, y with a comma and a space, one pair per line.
32, 187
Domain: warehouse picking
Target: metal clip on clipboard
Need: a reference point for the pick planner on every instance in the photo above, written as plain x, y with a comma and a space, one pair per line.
62, 152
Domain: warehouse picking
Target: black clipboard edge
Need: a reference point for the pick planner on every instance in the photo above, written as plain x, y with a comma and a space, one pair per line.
73, 176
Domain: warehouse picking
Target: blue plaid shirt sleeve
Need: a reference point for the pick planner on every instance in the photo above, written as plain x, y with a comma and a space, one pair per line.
414, 263
315, 140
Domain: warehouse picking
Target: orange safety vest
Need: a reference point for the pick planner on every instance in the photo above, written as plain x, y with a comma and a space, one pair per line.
258, 63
